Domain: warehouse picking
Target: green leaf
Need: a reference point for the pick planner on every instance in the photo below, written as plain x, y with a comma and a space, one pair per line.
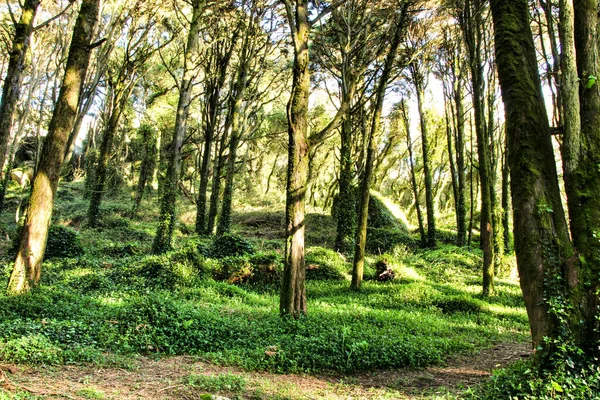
557, 387
591, 82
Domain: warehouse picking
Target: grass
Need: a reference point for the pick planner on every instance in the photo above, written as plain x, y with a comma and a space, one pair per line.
117, 301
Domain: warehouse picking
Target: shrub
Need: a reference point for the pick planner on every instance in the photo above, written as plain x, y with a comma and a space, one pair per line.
118, 250
264, 269
31, 349
230, 245
114, 221
166, 271
325, 264
381, 240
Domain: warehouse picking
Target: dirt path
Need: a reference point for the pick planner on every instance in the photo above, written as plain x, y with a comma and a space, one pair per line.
168, 378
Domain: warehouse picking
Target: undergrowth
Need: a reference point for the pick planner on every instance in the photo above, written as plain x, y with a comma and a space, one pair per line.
220, 300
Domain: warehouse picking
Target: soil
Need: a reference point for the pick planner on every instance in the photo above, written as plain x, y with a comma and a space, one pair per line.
166, 378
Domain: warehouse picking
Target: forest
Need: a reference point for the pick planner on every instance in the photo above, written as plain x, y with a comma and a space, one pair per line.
293, 199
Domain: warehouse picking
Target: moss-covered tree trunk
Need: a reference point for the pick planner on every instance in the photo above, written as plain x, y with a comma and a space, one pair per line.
461, 208
419, 83
472, 30
218, 167
146, 167
224, 224
164, 232
293, 289
346, 201
14, 72
505, 200
544, 253
119, 96
32, 244
581, 156
363, 209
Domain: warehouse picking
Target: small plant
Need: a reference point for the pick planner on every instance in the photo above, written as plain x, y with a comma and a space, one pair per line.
229, 383
230, 245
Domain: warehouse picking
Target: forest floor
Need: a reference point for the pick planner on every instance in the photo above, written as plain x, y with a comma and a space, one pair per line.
110, 320
168, 378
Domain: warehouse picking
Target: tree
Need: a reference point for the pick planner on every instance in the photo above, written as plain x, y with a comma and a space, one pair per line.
12, 81
164, 232
122, 76
32, 244
219, 57
471, 23
293, 291
581, 156
420, 46
545, 256
382, 84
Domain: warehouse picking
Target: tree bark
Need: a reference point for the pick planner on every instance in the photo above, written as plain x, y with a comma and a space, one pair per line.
32, 245
581, 156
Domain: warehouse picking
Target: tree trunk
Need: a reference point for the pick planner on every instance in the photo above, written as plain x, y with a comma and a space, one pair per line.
166, 224
461, 209
418, 80
472, 27
346, 201
293, 290
146, 167
120, 96
544, 253
32, 245
12, 81
224, 225
212, 118
505, 205
413, 176
363, 210
581, 156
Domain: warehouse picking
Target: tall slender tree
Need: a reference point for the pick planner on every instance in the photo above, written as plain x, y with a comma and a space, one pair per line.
32, 244
166, 224
363, 214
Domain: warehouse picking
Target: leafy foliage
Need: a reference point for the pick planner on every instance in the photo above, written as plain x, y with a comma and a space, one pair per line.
230, 245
